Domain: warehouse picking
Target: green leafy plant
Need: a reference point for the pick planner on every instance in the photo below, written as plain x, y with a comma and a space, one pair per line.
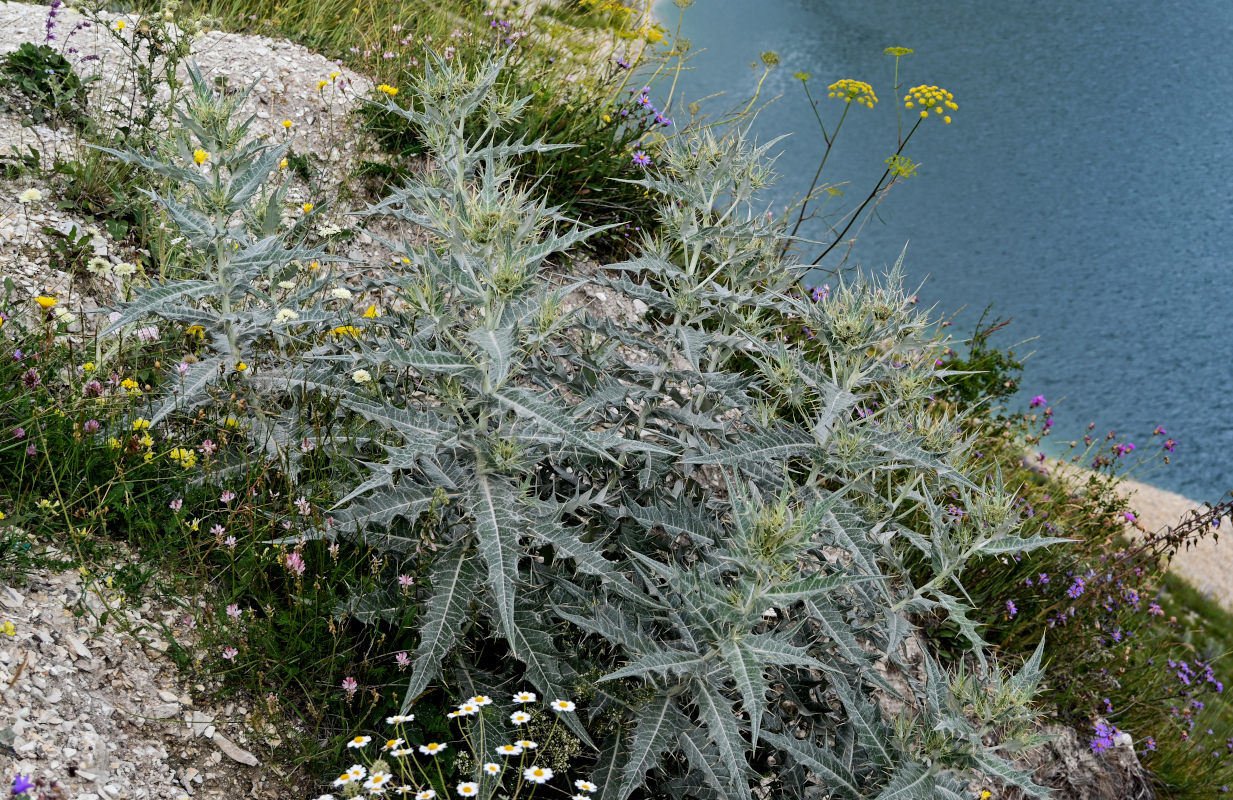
52, 91
711, 522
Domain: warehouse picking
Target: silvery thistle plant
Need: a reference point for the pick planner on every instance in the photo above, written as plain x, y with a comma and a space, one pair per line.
701, 523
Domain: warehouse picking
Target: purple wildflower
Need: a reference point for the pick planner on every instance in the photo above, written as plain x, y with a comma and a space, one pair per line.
641, 159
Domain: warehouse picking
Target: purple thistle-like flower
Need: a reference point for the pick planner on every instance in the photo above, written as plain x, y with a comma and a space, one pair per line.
1037, 401
91, 426
31, 379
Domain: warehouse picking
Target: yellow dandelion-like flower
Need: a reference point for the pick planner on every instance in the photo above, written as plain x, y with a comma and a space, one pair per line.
200, 156
307, 207
240, 366
931, 98
120, 25
287, 124
848, 90
45, 302
386, 89
322, 84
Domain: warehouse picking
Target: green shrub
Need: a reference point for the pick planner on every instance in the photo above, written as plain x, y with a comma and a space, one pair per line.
46, 81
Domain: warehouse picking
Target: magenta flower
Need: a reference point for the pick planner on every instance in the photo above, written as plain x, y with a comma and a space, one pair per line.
176, 505
19, 433
91, 426
227, 496
1130, 517
1037, 401
405, 581
32, 450
403, 660
207, 447
349, 686
230, 653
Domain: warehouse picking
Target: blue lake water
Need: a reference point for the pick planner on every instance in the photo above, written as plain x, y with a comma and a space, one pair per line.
1085, 187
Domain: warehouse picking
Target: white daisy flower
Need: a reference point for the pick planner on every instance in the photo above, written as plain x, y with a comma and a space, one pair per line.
377, 781
520, 717
340, 294
585, 786
399, 719
342, 780
524, 697
404, 789
492, 769
359, 742
563, 705
509, 750
357, 772
538, 774
467, 709
404, 751
392, 744
432, 748
481, 700
427, 794
526, 744
468, 789
453, 715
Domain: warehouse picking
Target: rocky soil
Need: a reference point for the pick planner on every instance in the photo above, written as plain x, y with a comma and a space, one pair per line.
98, 710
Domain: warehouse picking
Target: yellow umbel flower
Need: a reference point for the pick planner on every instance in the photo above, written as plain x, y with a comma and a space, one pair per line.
931, 97
848, 90
898, 51
200, 156
45, 302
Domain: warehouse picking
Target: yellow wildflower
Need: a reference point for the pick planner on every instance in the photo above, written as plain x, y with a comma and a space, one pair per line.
307, 207
849, 90
931, 97
240, 366
113, 443
196, 330
200, 156
145, 440
387, 89
347, 330
372, 312
334, 75
120, 25
45, 302
287, 124
8, 628
88, 366
282, 164
141, 424
898, 51
231, 422
322, 84
129, 384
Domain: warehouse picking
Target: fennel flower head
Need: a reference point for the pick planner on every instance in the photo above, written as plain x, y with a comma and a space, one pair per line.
930, 98
848, 90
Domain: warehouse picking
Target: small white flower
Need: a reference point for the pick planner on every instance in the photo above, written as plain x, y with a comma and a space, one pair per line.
377, 781
526, 744
326, 797
432, 748
398, 719
585, 786
563, 705
363, 376
124, 269
580, 797
359, 741
538, 774
30, 196
520, 717
468, 789
467, 709
453, 715
481, 700
404, 789
286, 284
405, 751
340, 294
342, 780
524, 697
427, 794
509, 750
285, 315
492, 769
392, 744
98, 266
